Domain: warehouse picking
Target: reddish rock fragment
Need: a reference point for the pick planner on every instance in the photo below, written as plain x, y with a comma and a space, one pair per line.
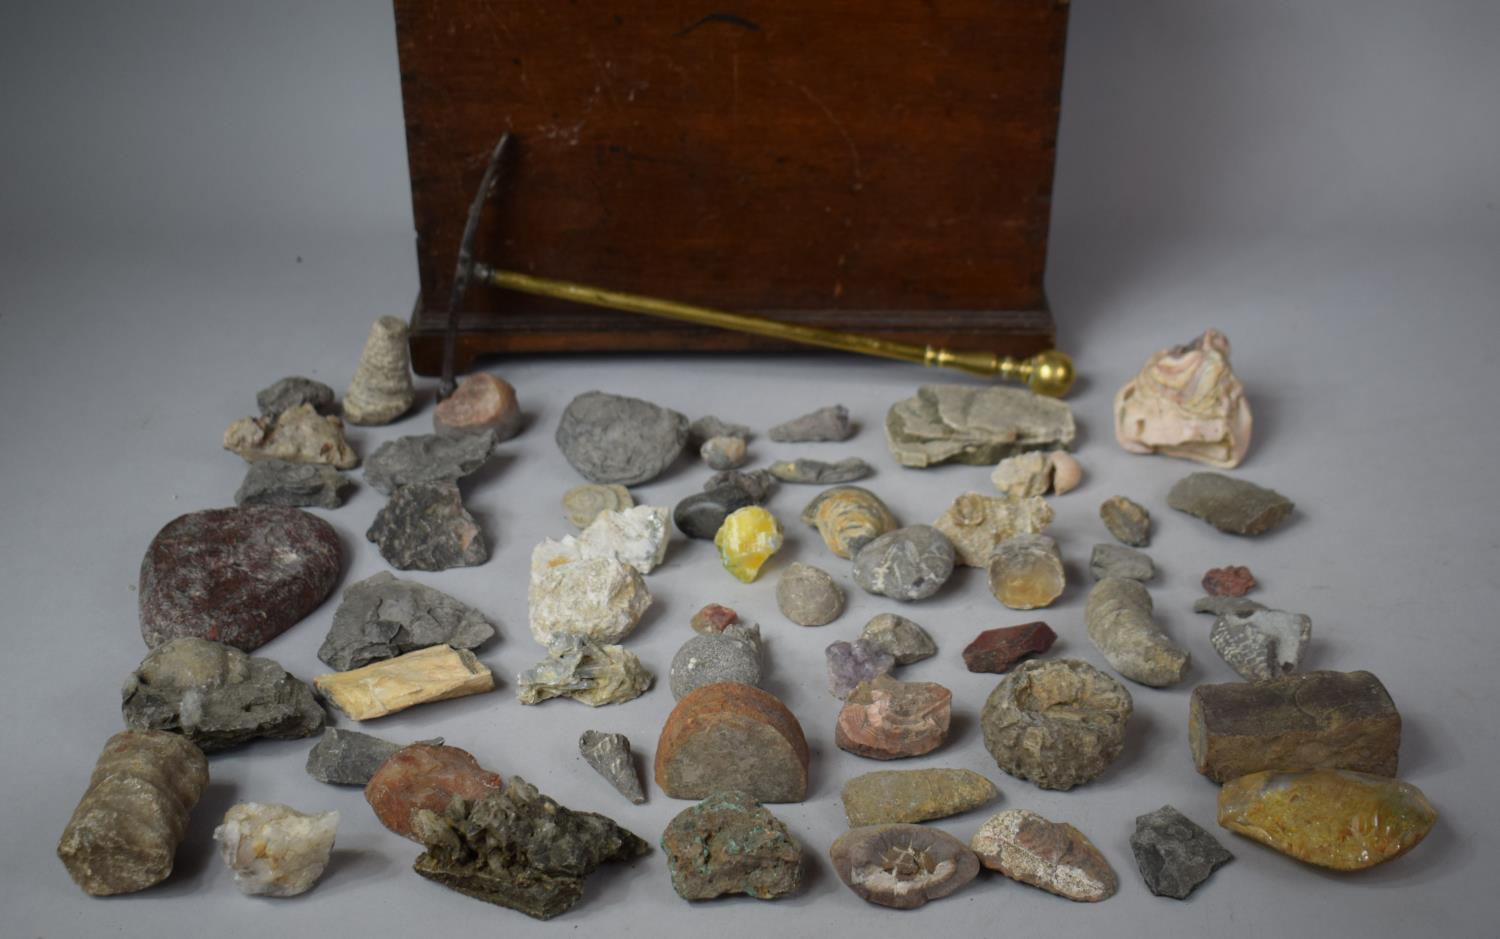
996, 650
729, 736
480, 402
1228, 581
886, 719
425, 776
714, 619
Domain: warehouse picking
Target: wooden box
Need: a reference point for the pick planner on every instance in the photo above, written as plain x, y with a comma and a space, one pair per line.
882, 167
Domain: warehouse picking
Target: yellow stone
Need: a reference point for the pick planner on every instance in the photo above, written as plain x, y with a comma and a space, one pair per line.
1333, 818
746, 540
435, 673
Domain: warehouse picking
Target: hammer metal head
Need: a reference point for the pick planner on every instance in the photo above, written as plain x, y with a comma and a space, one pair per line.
465, 267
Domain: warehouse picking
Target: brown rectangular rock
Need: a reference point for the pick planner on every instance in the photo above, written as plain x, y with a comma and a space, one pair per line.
435, 673
1316, 720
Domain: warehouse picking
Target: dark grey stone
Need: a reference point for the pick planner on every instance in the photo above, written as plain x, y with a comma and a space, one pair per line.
1112, 560
819, 472
904, 640
909, 563
1174, 854
425, 527
1218, 606
733, 655
701, 514
614, 439
427, 458
830, 423
706, 428
290, 392
347, 757
610, 757
382, 617
757, 484
277, 482
1228, 504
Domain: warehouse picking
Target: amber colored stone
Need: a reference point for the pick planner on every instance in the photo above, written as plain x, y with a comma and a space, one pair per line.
425, 776
996, 650
886, 719
1332, 818
1228, 581
480, 402
732, 736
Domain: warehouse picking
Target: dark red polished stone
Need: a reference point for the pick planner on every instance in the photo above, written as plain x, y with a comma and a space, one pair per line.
996, 650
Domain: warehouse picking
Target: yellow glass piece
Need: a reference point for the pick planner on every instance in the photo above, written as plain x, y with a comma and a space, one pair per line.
746, 540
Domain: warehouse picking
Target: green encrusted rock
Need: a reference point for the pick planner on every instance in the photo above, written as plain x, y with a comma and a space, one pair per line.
728, 844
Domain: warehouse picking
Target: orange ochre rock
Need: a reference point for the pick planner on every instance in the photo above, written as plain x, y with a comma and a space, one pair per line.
425, 776
732, 736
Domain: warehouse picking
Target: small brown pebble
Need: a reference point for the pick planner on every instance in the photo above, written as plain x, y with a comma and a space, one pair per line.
714, 619
1128, 521
996, 650
1228, 581
480, 402
425, 776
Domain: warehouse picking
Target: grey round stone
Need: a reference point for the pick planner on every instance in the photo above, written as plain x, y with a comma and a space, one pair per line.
701, 514
615, 439
808, 596
899, 636
733, 655
909, 563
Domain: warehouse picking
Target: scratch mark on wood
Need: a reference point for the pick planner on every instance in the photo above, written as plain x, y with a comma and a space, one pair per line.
849, 141
728, 19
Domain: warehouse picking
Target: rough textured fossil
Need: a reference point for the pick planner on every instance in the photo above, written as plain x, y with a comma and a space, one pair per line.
902, 866
1186, 402
848, 518
1118, 616
1058, 723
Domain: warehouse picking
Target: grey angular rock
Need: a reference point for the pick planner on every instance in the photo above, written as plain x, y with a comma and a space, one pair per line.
1231, 505
819, 472
709, 427
1112, 560
381, 389
757, 484
1173, 853
427, 458
1118, 617
278, 482
290, 392
968, 424
1263, 644
1128, 521
616, 439
610, 757
731, 655
808, 596
910, 563
904, 640
824, 424
217, 696
851, 663
723, 453
425, 527
1218, 606
701, 514
347, 757
382, 617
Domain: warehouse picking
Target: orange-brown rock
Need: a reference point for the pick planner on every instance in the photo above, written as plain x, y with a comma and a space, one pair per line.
731, 736
886, 719
480, 402
425, 776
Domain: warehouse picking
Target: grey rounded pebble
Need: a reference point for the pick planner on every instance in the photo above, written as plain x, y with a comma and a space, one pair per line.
808, 596
909, 563
904, 640
701, 514
733, 655
615, 439
723, 453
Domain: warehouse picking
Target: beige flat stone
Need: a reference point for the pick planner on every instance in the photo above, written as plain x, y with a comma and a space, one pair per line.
435, 673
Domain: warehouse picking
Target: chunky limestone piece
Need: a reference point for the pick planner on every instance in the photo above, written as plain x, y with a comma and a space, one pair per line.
724, 453
636, 536
1332, 818
910, 563
1058, 723
1128, 521
599, 599
746, 541
425, 776
1112, 560
382, 617
996, 650
584, 671
1174, 853
381, 389
902, 866
425, 527
1026, 474
482, 403
1228, 581
885, 719
730, 736
615, 439
1264, 644
729, 844
713, 619
977, 524
347, 757
436, 673
707, 428
609, 755
1118, 616
241, 576
217, 696
980, 426
1054, 856
519, 849
848, 518
1026, 572
1231, 505
427, 458
730, 655
1315, 720
808, 596
904, 640
274, 850
582, 504
124, 833
296, 435
287, 393
277, 482
1067, 474
852, 663
900, 796
819, 472
824, 424
1186, 402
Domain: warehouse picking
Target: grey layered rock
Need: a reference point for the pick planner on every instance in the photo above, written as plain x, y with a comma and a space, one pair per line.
610, 757
347, 757
757, 484
732, 655
1228, 504
1112, 560
1126, 520
217, 696
820, 473
290, 392
807, 595
980, 426
1118, 617
382, 617
1264, 644
425, 527
904, 640
1218, 606
851, 663
278, 482
702, 514
707, 428
616, 439
1173, 853
427, 458
909, 563
381, 389
824, 424
586, 671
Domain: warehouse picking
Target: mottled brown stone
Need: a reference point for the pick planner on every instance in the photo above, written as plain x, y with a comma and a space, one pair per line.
901, 796
1054, 856
425, 776
480, 402
732, 736
714, 619
996, 650
886, 719
1228, 581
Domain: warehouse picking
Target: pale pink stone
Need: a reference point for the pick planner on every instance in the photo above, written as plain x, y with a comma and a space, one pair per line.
1066, 471
480, 402
1186, 402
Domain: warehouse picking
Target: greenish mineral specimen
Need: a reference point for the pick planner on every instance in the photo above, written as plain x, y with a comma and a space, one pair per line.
728, 844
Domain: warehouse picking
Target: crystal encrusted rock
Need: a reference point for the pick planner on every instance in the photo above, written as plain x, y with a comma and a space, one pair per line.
819, 472
382, 617
848, 518
609, 755
381, 389
296, 435
519, 849
730, 655
808, 596
436, 673
898, 796
425, 527
425, 776
482, 403
582, 504
729, 844
599, 599
902, 866
1186, 402
968, 424
1058, 723
977, 525
274, 850
910, 563
1118, 616
1174, 854
427, 458
277, 482
824, 424
746, 541
615, 439
1128, 521
1235, 506
851, 663
1026, 572
1332, 818
885, 719
585, 671
287, 393
1264, 644
996, 650
730, 736
347, 757
1112, 560
1054, 856
903, 639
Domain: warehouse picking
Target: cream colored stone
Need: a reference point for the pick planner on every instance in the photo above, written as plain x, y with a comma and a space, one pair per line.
381, 389
1186, 402
297, 435
1029, 474
435, 673
1067, 473
600, 598
275, 850
977, 524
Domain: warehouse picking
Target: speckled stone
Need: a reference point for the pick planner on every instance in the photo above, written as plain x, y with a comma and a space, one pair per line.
1026, 572
819, 472
1174, 854
903, 639
808, 596
427, 458
1054, 856
1128, 521
824, 424
901, 796
1235, 506
425, 776
886, 719
615, 439
729, 844
730, 736
996, 650
381, 389
1056, 722
909, 563
482, 403
732, 655
850, 663
1112, 560
425, 527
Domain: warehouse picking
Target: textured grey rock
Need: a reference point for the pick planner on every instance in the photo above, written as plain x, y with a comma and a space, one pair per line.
290, 392
615, 439
1118, 617
909, 563
968, 424
585, 671
1264, 644
850, 663
381, 389
808, 596
427, 458
382, 617
347, 757
904, 640
830, 423
1128, 521
217, 696
1218, 606
425, 527
610, 757
278, 482
757, 484
1057, 722
723, 453
732, 655
707, 428
819, 472
701, 514
1112, 560
1174, 854
1228, 504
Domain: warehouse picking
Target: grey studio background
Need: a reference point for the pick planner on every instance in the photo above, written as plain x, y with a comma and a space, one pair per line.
198, 198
